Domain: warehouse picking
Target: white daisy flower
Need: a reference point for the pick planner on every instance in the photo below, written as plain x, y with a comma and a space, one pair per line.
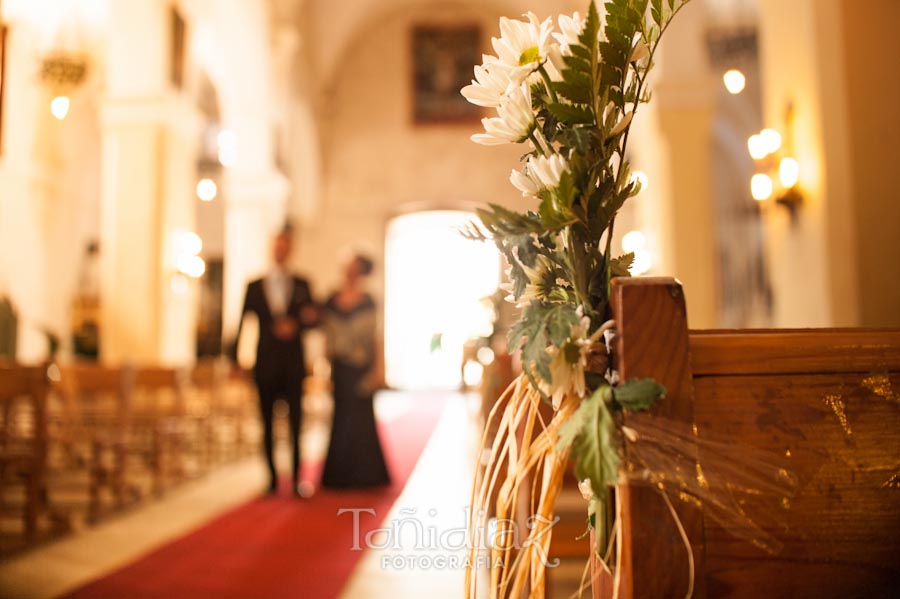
525, 182
491, 83
541, 280
548, 170
567, 363
523, 45
514, 121
539, 174
570, 29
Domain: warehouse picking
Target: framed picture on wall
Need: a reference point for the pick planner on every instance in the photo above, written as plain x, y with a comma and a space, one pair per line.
443, 57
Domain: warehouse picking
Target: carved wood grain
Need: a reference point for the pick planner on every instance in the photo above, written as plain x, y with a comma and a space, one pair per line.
652, 341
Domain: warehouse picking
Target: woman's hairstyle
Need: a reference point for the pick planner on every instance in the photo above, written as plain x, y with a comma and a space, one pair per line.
365, 263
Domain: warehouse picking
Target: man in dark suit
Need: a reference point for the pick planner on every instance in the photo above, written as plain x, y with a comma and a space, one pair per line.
283, 305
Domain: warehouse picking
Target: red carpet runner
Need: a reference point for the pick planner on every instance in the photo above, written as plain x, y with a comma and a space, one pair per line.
275, 547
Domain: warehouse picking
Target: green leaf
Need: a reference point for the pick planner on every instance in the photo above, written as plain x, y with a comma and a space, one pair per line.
590, 434
577, 89
639, 394
619, 267
571, 114
560, 321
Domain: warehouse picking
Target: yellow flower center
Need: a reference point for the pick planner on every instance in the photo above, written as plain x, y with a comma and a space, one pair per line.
532, 54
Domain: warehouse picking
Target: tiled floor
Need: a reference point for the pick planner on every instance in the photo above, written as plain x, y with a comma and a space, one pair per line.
435, 499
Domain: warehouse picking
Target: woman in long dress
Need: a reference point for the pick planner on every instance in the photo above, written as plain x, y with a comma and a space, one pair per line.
354, 458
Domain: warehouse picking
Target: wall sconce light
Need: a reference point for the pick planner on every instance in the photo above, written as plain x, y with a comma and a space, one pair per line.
778, 171
188, 263
62, 72
735, 81
207, 190
635, 242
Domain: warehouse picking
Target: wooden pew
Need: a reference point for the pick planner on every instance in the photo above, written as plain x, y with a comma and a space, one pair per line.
225, 406
23, 441
161, 431
827, 402
89, 431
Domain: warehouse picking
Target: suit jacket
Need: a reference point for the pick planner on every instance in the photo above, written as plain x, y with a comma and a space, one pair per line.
277, 360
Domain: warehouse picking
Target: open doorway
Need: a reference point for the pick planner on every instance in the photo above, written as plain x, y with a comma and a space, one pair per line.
435, 285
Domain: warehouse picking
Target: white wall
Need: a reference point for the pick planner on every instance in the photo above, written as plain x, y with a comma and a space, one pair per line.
49, 179
377, 162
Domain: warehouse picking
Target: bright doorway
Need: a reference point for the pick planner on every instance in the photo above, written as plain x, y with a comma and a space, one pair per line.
435, 284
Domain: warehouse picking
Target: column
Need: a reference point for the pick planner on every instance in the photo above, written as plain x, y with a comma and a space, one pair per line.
149, 137
672, 144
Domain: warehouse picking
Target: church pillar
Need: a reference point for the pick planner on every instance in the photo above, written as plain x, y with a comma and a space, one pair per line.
149, 158
837, 265
672, 144
800, 62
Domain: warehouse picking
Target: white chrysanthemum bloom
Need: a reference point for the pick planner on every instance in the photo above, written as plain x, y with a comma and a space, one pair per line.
514, 121
570, 29
567, 363
525, 182
491, 83
522, 45
548, 170
587, 491
539, 174
541, 280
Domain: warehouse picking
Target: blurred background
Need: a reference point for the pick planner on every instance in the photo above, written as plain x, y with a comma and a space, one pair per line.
151, 149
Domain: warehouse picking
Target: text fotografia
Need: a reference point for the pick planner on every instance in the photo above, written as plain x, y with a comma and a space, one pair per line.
411, 561
425, 545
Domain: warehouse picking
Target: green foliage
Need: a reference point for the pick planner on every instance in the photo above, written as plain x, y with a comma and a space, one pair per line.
618, 267
590, 437
559, 247
584, 116
542, 323
638, 394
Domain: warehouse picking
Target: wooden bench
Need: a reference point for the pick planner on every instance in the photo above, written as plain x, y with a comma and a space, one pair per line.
89, 431
23, 443
826, 402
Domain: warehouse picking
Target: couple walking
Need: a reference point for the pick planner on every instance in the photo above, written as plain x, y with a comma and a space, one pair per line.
284, 307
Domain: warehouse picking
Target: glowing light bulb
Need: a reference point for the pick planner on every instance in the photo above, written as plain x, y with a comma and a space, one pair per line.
735, 81
761, 187
643, 261
59, 107
227, 146
789, 172
633, 242
757, 147
485, 355
189, 243
772, 140
472, 373
641, 178
207, 190
191, 265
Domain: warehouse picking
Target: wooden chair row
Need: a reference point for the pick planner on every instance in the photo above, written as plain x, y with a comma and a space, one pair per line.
81, 441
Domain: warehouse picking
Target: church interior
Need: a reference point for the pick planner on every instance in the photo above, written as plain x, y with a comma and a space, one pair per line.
154, 152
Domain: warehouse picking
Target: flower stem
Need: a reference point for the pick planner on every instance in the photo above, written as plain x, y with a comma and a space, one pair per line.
539, 142
548, 83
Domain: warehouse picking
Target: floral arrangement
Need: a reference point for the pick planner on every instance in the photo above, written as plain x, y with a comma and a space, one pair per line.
568, 95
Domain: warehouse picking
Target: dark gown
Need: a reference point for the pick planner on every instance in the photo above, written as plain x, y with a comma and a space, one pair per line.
354, 458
